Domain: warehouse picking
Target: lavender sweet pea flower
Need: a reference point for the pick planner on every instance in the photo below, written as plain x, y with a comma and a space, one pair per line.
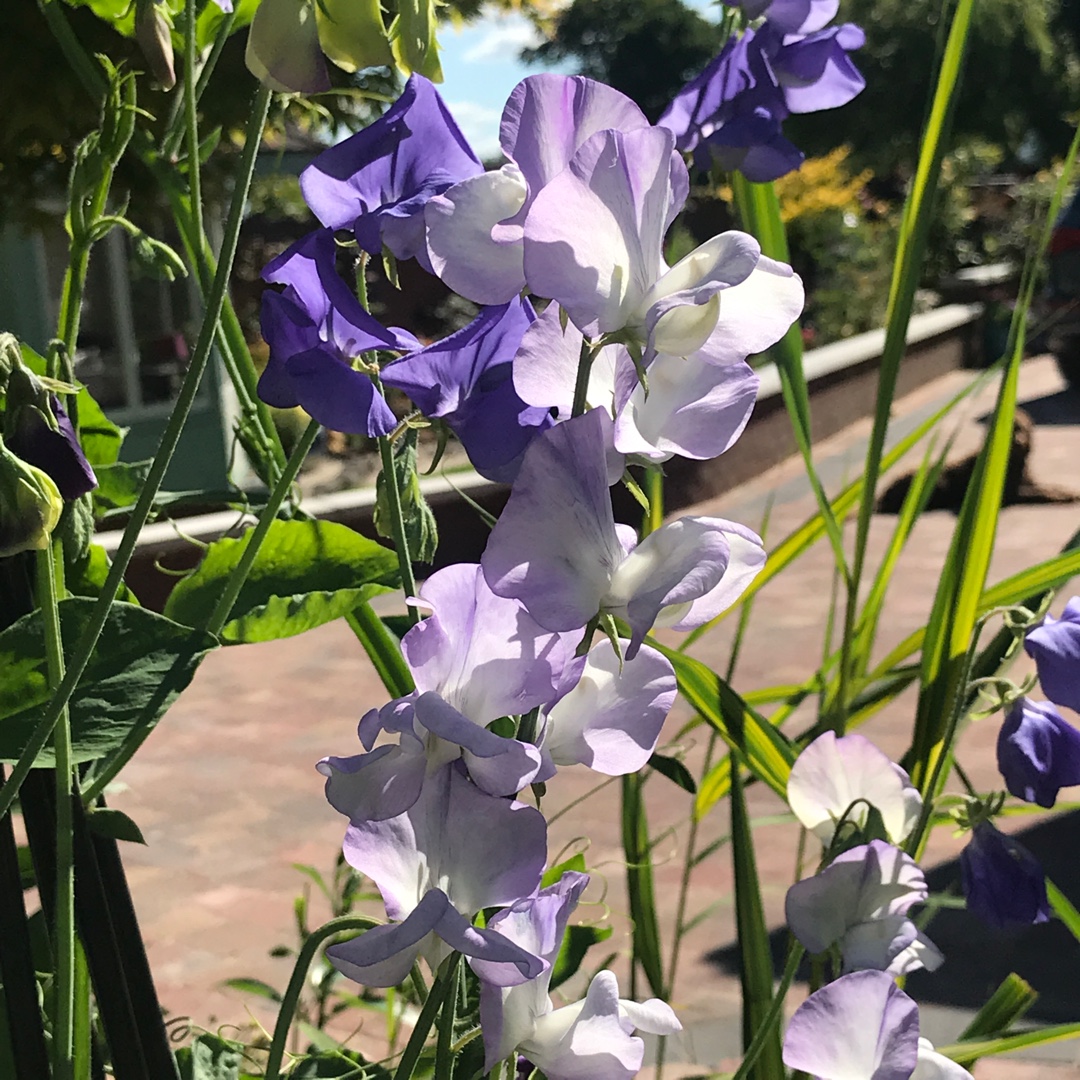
1055, 648
934, 1066
1003, 882
860, 1027
1038, 752
467, 380
610, 718
378, 181
834, 778
557, 549
476, 658
474, 230
454, 853
315, 329
591, 1039
861, 903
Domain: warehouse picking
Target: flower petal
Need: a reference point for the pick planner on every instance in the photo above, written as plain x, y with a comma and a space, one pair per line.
378, 785
1038, 752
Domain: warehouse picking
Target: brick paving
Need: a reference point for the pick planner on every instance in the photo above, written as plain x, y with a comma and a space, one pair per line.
228, 799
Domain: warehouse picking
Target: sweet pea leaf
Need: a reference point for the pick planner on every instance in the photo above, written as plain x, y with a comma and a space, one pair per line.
101, 439
421, 530
141, 663
210, 1058
675, 771
114, 825
305, 574
551, 877
119, 484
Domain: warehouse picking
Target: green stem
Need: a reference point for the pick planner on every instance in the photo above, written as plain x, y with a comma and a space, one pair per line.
85, 646
415, 1046
220, 615
581, 383
63, 1040
191, 122
291, 998
397, 520
444, 1049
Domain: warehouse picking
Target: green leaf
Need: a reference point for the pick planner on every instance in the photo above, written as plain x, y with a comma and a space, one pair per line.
119, 484
575, 944
114, 825
964, 1053
306, 573
101, 439
86, 577
766, 751
675, 771
639, 884
383, 649
347, 1064
247, 985
1007, 1004
551, 876
210, 1058
141, 663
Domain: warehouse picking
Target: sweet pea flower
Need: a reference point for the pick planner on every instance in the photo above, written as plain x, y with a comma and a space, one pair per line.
557, 549
861, 903
1055, 648
592, 1039
1002, 881
610, 717
934, 1066
474, 229
45, 438
476, 658
814, 70
455, 852
860, 1027
316, 328
378, 181
1038, 752
834, 778
793, 16
467, 380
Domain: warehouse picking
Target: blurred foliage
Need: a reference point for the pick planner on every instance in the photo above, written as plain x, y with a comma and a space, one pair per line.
821, 184
646, 48
1021, 82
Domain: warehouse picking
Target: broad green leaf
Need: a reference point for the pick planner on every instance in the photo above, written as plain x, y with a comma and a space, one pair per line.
552, 875
765, 750
248, 985
575, 944
114, 825
87, 576
101, 439
306, 573
755, 967
211, 1058
119, 484
141, 663
416, 47
675, 771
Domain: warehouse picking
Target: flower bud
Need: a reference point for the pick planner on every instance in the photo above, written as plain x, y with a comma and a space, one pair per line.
30, 505
155, 40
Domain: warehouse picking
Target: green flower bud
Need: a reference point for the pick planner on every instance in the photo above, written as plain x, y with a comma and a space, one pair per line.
30, 505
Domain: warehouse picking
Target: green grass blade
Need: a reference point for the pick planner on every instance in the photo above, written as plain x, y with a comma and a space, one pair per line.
1007, 1004
812, 530
765, 750
383, 650
755, 956
759, 210
1063, 909
964, 1053
639, 884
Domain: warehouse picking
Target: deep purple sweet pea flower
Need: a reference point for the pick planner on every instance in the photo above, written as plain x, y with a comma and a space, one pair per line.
862, 1025
1003, 882
54, 450
467, 380
1038, 752
315, 329
793, 16
454, 853
378, 181
1055, 648
815, 70
733, 112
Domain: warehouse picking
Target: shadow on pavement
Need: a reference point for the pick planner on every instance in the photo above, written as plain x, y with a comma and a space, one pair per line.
978, 956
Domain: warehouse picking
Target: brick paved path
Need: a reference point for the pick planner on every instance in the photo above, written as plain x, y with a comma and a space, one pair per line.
227, 797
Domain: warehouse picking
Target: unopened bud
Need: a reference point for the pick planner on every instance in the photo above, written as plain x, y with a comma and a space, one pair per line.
155, 40
30, 505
